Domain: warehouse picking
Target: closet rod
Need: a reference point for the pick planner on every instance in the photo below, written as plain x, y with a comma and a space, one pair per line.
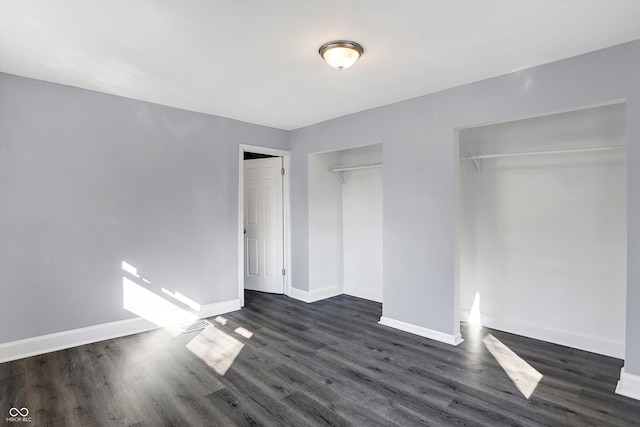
352, 168
531, 153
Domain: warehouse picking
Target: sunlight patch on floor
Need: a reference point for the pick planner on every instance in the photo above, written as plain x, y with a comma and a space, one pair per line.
243, 332
216, 348
524, 376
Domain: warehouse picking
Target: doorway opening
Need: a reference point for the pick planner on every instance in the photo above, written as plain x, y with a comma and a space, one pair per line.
263, 221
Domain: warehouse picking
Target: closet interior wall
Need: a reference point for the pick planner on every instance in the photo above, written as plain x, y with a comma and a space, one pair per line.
543, 237
345, 223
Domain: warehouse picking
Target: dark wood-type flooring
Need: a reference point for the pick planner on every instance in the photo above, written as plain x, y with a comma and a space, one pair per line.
326, 363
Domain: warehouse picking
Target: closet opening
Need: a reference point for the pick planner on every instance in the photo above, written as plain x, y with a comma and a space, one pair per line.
345, 222
542, 227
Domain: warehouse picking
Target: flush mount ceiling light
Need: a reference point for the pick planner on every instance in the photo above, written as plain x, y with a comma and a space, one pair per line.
341, 54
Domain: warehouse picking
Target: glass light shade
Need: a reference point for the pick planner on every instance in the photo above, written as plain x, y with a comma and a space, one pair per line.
341, 54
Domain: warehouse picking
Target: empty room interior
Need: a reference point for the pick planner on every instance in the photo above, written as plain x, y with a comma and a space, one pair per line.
320, 213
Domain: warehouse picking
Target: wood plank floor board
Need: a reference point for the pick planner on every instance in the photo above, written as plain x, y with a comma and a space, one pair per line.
13, 390
246, 406
268, 316
396, 415
318, 414
90, 382
43, 394
232, 410
285, 362
333, 313
589, 407
300, 335
281, 337
246, 373
477, 413
609, 407
481, 406
394, 377
346, 404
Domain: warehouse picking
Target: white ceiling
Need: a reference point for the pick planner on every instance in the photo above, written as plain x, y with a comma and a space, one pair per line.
257, 60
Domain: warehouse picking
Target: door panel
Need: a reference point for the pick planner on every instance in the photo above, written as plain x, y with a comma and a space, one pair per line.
252, 257
263, 216
271, 260
252, 202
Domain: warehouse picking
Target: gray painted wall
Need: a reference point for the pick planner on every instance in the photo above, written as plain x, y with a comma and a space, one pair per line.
326, 254
89, 180
421, 176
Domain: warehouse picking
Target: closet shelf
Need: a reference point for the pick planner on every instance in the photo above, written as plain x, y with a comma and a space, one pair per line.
352, 168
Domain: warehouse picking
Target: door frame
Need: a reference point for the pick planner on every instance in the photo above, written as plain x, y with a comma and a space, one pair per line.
286, 214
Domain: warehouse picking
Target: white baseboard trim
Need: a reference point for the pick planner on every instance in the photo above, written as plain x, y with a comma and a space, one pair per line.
317, 295
364, 293
298, 294
423, 332
61, 340
567, 338
629, 385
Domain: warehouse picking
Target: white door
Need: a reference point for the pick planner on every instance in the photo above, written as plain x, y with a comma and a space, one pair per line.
263, 224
